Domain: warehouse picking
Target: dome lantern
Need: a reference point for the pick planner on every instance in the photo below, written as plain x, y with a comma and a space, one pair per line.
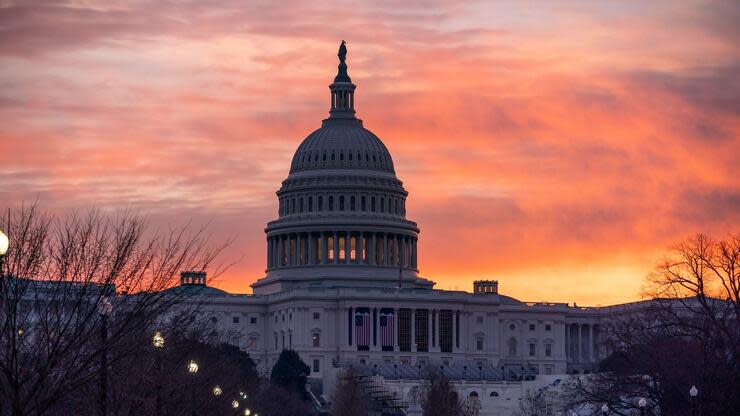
342, 90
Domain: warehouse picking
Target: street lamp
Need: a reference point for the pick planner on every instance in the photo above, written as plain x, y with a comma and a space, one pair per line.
642, 403
217, 391
235, 404
693, 392
158, 343
604, 409
247, 412
4, 243
158, 340
193, 367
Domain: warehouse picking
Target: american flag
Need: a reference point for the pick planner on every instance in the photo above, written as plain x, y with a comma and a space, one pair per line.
362, 328
386, 329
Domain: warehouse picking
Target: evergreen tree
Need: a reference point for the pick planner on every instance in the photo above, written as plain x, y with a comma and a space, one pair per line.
290, 372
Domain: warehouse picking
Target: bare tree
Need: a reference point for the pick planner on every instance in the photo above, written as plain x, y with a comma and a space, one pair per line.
76, 291
687, 335
350, 397
439, 398
534, 403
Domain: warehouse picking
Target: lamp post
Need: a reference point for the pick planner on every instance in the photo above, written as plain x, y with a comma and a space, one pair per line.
642, 403
192, 369
4, 243
604, 409
106, 308
158, 343
693, 392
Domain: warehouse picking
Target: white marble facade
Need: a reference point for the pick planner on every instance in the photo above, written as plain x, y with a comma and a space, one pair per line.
341, 244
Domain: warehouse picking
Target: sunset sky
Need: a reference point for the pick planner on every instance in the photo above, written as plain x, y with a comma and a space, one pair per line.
559, 147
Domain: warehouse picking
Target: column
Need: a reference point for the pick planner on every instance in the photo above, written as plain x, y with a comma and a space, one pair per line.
590, 343
436, 331
336, 247
376, 335
311, 249
280, 248
413, 253
454, 331
358, 249
579, 344
401, 244
385, 249
430, 342
269, 252
347, 247
299, 249
322, 248
413, 330
373, 249
395, 329
567, 342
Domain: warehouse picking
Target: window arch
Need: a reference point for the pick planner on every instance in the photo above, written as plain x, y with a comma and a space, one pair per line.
493, 394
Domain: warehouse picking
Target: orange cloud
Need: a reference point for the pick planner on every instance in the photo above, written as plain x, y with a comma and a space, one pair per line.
559, 149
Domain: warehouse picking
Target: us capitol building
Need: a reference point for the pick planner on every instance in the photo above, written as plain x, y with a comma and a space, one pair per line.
342, 284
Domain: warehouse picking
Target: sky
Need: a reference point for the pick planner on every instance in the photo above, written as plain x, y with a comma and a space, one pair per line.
558, 147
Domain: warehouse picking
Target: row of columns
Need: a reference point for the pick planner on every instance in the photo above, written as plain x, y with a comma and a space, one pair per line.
341, 247
342, 98
432, 327
580, 341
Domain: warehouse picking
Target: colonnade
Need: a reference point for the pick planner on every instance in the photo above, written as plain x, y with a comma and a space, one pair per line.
341, 247
581, 340
429, 330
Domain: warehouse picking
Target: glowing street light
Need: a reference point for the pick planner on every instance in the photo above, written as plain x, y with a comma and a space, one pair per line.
217, 391
4, 243
192, 367
642, 403
247, 412
235, 404
158, 340
693, 392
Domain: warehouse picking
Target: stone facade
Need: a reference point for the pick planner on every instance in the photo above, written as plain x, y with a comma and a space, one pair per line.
342, 282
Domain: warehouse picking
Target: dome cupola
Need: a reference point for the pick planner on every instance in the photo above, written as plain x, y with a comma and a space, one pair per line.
341, 210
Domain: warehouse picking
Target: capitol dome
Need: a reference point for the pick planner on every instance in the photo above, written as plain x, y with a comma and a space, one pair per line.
342, 144
341, 210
